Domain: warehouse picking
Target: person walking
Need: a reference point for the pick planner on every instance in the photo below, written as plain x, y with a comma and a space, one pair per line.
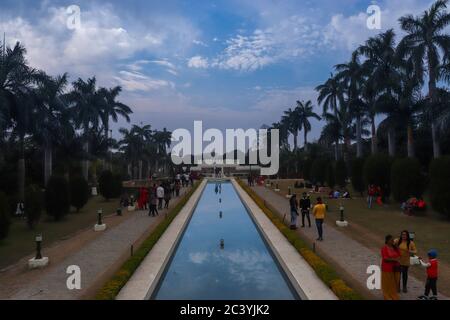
370, 195
407, 249
160, 195
432, 275
177, 188
294, 211
305, 207
153, 200
390, 267
319, 211
167, 196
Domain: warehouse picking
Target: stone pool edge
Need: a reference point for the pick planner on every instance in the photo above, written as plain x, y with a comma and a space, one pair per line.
302, 277
146, 278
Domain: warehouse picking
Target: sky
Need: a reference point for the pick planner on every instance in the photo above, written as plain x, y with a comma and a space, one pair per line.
230, 63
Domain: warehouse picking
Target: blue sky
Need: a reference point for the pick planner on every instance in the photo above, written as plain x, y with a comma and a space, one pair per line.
230, 63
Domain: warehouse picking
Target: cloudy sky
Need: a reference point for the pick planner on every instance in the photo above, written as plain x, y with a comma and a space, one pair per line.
230, 63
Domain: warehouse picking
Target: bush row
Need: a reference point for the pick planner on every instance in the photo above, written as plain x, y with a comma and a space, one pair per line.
111, 289
327, 274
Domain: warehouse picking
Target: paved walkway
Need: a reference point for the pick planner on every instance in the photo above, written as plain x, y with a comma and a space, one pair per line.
349, 257
97, 261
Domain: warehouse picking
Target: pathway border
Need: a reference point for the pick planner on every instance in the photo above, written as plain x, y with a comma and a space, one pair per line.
146, 278
304, 279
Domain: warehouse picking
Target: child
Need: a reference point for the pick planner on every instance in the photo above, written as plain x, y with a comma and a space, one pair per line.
432, 275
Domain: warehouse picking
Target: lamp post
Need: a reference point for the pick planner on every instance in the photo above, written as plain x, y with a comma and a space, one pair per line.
38, 247
99, 216
342, 222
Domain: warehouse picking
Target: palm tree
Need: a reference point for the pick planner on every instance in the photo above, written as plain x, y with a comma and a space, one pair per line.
16, 79
51, 120
426, 44
352, 76
380, 68
86, 107
142, 137
290, 120
305, 111
331, 96
112, 108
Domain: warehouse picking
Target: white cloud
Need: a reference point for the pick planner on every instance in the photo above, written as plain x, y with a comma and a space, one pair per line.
136, 81
198, 62
170, 67
294, 37
199, 43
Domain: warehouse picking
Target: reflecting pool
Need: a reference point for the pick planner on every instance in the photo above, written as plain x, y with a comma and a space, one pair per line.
222, 256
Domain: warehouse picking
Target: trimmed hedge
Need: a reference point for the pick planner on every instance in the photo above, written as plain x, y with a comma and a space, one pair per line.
322, 269
109, 185
357, 173
406, 179
111, 289
440, 185
34, 204
377, 171
79, 192
341, 173
5, 220
57, 197
331, 181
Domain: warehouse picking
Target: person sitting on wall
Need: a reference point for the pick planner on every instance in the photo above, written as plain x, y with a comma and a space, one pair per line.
346, 195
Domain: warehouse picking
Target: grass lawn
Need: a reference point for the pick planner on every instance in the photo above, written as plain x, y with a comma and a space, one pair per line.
370, 226
20, 241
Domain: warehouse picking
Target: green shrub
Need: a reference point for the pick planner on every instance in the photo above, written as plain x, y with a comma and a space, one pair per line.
5, 220
306, 169
341, 173
34, 204
117, 186
322, 269
106, 184
57, 197
79, 192
112, 287
318, 171
440, 185
331, 182
377, 171
357, 173
406, 179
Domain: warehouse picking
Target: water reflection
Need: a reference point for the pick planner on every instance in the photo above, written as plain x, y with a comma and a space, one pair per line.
241, 268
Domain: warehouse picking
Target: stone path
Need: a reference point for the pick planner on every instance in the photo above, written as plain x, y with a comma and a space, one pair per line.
348, 257
97, 260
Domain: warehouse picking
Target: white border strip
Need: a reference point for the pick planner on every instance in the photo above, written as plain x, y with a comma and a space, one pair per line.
306, 282
147, 276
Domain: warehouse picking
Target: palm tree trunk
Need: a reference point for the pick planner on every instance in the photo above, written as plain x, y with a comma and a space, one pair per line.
436, 144
85, 163
48, 162
391, 142
410, 142
374, 136
336, 150
432, 95
295, 139
140, 169
130, 171
359, 150
306, 140
21, 172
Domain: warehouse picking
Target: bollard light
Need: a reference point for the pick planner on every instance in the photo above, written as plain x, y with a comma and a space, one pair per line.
412, 235
221, 215
222, 244
342, 213
99, 215
289, 191
38, 247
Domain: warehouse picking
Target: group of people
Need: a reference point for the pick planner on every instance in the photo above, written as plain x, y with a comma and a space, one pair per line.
337, 194
305, 206
413, 204
374, 193
396, 259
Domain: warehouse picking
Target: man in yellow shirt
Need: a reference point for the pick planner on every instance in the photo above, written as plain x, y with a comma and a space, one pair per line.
319, 214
